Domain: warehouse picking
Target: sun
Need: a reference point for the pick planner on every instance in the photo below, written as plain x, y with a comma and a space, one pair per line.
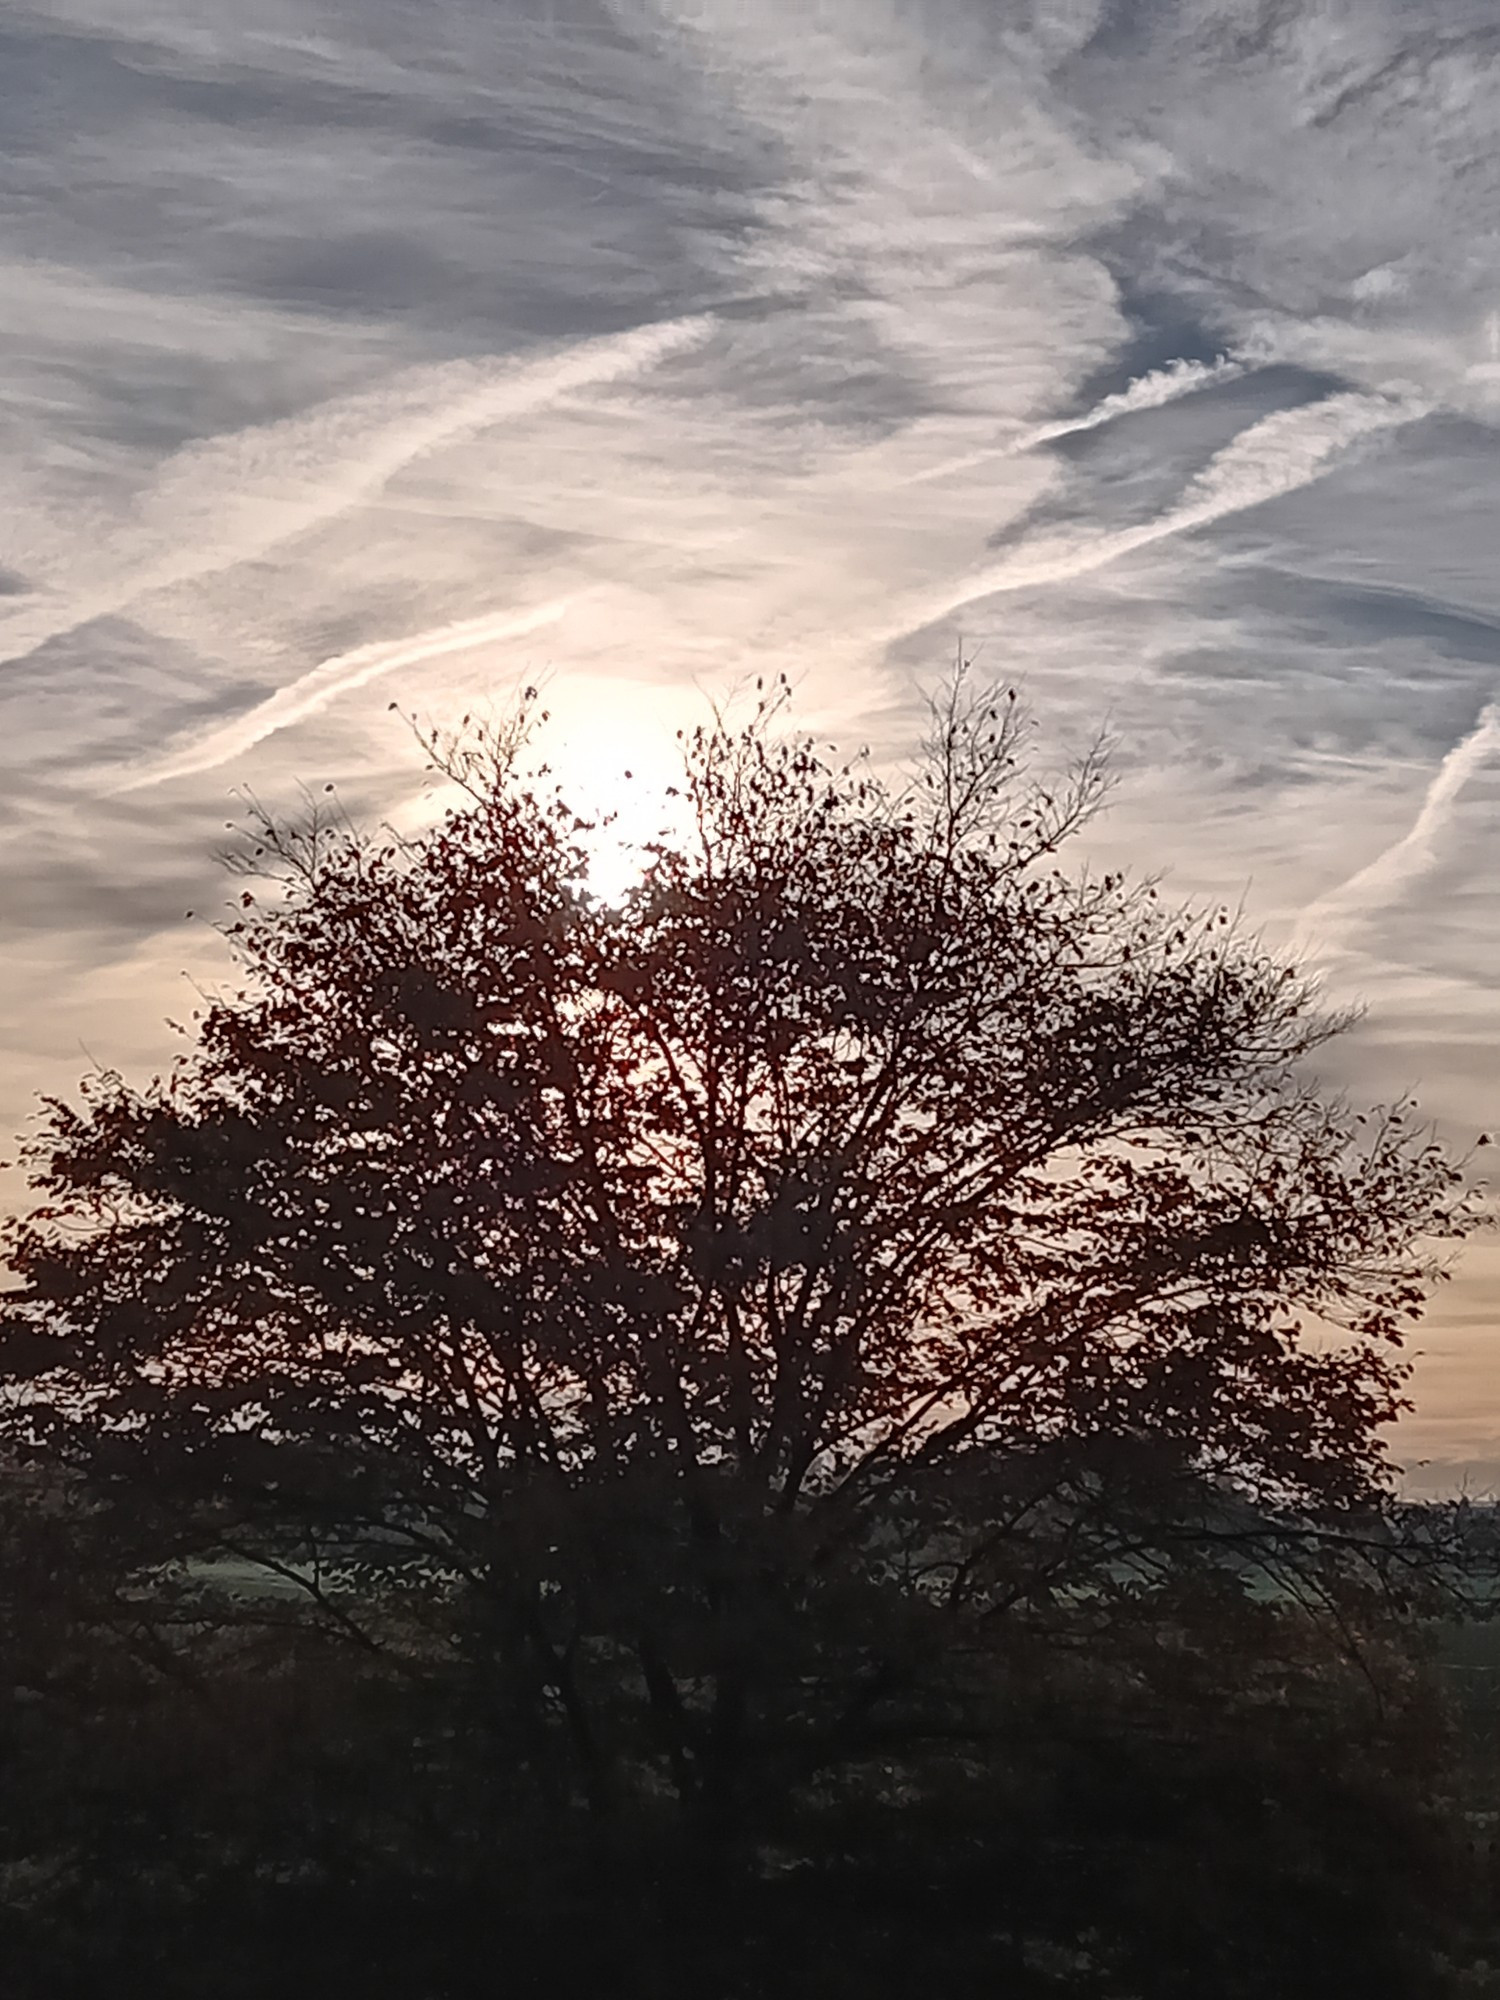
613, 746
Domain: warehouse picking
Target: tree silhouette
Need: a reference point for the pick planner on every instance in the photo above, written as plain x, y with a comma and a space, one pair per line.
729, 1327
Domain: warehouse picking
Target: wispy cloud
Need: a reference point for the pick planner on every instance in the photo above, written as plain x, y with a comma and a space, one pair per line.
237, 499
1273, 457
1147, 392
1151, 391
328, 680
1325, 922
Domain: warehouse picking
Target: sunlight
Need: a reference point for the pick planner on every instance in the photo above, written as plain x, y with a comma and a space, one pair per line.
612, 745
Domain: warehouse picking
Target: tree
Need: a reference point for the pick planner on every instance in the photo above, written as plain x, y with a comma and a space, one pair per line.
724, 1328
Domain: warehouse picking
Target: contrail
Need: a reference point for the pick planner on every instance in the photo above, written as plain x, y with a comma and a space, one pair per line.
331, 678
1146, 392
1374, 884
1281, 453
234, 499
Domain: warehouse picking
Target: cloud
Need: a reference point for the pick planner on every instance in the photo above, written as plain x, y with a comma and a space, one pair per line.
328, 680
1151, 391
1274, 457
1147, 392
234, 500
1324, 922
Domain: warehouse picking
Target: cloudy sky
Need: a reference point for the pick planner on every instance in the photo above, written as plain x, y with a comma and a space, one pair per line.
359, 350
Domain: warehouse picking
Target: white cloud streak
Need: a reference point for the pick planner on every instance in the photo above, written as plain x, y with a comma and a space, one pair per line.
331, 678
233, 500
1147, 392
1151, 391
1270, 458
1324, 922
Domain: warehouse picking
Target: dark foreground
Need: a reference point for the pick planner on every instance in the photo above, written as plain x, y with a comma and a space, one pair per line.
291, 1818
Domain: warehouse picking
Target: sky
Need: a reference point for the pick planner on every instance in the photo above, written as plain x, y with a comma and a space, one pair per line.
360, 351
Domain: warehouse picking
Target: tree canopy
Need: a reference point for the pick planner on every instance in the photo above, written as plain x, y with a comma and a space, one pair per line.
728, 1318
